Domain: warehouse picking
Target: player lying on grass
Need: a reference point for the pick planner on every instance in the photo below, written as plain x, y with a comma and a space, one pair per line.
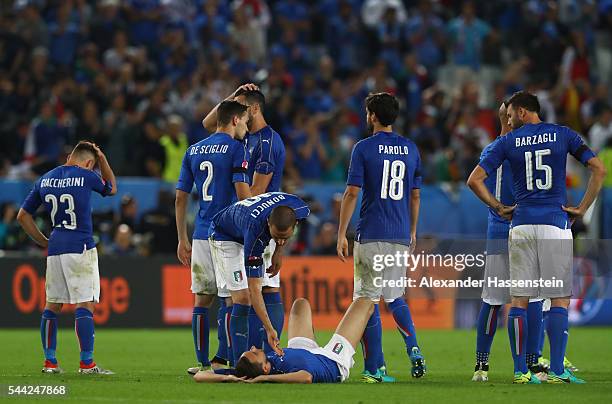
303, 361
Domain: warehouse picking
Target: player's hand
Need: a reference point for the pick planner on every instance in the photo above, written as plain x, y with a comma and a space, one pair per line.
274, 342
505, 211
342, 248
412, 244
99, 152
574, 213
183, 252
234, 379
247, 86
503, 112
258, 379
277, 262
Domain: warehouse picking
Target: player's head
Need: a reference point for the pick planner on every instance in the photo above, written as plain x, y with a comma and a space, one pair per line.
232, 117
253, 363
522, 108
84, 155
254, 100
382, 109
281, 223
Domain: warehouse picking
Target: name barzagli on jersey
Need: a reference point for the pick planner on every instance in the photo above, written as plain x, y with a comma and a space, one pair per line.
535, 139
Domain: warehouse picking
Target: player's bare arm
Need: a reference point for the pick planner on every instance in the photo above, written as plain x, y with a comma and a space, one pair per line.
210, 121
183, 251
277, 260
208, 376
598, 174
477, 185
415, 205
242, 190
29, 226
301, 377
260, 309
105, 170
260, 183
349, 201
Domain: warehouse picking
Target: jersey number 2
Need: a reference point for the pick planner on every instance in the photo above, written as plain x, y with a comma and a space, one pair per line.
207, 165
68, 199
394, 188
539, 165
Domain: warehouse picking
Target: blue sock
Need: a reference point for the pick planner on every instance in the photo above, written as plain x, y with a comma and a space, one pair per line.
534, 324
48, 334
485, 331
230, 345
84, 327
543, 333
256, 330
276, 312
239, 329
517, 331
222, 331
403, 319
557, 334
201, 331
371, 343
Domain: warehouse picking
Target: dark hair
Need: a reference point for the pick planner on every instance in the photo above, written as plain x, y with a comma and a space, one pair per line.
523, 99
384, 106
85, 147
282, 217
245, 367
253, 97
229, 109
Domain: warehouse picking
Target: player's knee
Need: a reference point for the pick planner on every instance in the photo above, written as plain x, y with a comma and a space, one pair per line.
202, 300
54, 307
87, 305
242, 297
300, 305
560, 302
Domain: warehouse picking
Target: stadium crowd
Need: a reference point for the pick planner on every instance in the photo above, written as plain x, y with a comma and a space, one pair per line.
138, 76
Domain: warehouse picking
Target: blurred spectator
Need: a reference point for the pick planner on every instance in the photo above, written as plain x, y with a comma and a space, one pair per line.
175, 145
325, 241
373, 11
122, 244
601, 132
11, 236
128, 213
466, 35
45, 140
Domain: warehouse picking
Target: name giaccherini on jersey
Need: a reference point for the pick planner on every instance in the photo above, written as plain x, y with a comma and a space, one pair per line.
62, 182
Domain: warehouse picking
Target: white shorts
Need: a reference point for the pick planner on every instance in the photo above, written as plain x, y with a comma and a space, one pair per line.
73, 278
228, 260
271, 282
338, 349
496, 266
203, 279
366, 278
539, 251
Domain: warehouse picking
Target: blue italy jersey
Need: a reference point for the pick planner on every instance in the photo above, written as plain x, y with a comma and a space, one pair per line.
246, 222
267, 153
214, 165
500, 185
387, 167
322, 369
66, 193
538, 155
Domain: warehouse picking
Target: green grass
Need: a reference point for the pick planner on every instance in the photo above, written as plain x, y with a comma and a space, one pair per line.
150, 366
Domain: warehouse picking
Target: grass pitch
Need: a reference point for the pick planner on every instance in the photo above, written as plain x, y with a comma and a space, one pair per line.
150, 366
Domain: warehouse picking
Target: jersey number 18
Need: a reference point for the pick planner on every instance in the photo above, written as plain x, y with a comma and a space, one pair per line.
393, 188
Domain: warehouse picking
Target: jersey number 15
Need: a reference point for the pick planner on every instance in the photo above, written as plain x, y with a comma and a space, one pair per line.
539, 165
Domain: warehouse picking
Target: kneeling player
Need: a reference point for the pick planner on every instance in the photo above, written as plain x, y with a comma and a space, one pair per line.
303, 361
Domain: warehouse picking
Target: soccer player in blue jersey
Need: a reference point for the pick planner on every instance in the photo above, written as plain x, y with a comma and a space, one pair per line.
239, 235
540, 240
497, 267
303, 361
266, 164
387, 167
72, 275
218, 167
